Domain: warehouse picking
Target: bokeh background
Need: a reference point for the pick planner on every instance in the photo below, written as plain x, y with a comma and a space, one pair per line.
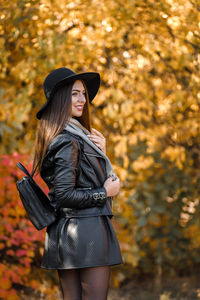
148, 107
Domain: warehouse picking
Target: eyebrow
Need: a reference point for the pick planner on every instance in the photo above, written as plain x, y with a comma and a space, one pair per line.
78, 90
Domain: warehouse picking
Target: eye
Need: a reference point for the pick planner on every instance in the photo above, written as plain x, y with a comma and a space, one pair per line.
74, 94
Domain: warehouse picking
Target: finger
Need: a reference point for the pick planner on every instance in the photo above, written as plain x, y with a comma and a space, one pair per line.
99, 145
109, 179
97, 133
93, 135
96, 139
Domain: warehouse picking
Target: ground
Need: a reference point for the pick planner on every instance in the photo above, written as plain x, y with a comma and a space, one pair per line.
176, 288
182, 288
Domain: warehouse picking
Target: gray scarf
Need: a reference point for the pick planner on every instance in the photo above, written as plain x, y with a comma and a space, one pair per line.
76, 128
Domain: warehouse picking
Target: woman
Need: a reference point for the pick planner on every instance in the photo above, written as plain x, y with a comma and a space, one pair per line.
71, 159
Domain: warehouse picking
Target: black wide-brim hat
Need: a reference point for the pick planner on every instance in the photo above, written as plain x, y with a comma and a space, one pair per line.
63, 76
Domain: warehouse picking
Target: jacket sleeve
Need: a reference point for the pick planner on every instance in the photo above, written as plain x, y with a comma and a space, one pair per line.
65, 172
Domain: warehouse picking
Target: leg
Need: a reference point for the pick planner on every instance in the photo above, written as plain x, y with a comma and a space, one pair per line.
95, 283
70, 284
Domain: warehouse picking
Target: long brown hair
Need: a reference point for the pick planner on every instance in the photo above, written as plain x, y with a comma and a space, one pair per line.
54, 119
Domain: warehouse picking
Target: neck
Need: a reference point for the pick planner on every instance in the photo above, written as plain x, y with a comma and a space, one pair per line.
78, 124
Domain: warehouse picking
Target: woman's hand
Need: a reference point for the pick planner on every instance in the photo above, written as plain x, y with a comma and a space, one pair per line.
112, 186
98, 138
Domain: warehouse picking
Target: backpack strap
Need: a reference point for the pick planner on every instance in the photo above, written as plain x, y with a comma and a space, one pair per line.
21, 167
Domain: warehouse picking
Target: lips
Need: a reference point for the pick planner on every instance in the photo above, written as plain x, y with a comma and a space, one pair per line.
79, 107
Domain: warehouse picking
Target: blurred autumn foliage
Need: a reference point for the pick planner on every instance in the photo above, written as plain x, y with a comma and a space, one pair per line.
148, 107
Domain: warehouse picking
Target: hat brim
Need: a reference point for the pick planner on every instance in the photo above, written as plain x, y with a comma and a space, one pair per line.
91, 80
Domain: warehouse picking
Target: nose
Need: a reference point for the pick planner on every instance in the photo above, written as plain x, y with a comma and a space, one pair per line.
82, 97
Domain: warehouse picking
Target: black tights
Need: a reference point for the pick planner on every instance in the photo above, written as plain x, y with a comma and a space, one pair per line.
85, 284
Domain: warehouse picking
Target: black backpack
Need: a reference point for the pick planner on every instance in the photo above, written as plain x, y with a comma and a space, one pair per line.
35, 201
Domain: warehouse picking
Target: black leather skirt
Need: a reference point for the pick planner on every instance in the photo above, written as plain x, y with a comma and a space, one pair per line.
73, 242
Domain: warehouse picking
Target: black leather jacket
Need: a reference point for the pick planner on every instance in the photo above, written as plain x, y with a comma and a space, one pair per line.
75, 174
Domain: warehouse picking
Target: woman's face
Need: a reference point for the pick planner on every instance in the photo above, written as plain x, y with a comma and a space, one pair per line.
78, 98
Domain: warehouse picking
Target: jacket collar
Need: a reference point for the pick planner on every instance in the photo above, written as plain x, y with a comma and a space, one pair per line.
76, 129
